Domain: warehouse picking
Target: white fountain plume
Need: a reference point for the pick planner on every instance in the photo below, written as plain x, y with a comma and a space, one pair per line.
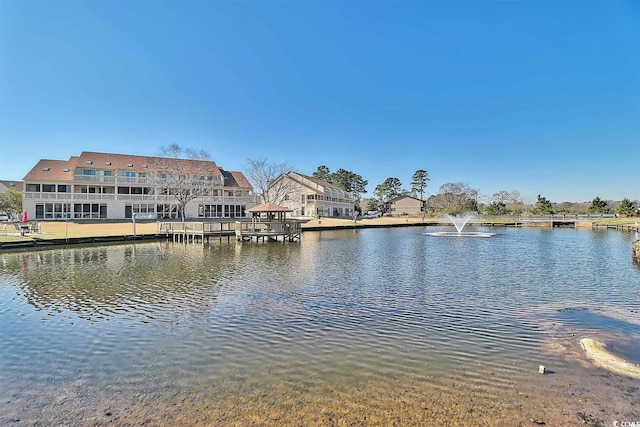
460, 221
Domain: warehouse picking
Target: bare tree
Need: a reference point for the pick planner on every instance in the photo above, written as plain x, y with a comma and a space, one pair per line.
268, 180
183, 175
454, 197
510, 199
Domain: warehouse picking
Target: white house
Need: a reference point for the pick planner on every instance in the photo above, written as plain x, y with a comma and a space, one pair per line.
307, 196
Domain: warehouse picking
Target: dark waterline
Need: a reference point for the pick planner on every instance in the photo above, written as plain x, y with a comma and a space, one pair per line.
356, 325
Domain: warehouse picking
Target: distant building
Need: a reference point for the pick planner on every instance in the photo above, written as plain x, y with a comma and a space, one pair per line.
404, 204
10, 185
116, 186
6, 185
307, 196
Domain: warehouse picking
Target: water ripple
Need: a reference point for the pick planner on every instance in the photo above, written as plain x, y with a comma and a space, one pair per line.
337, 320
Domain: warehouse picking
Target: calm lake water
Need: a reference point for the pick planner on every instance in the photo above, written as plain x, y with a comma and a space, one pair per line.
366, 327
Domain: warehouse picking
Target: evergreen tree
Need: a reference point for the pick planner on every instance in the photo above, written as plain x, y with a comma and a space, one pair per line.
543, 206
418, 184
598, 206
626, 208
322, 173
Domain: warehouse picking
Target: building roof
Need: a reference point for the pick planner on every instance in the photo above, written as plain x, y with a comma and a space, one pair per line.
12, 185
269, 207
62, 170
52, 170
235, 179
94, 160
320, 182
303, 180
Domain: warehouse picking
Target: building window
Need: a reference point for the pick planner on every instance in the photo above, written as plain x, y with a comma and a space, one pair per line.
167, 211
48, 188
89, 211
146, 209
53, 210
210, 211
33, 188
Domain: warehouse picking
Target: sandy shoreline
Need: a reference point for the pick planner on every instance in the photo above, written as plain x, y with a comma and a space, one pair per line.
600, 356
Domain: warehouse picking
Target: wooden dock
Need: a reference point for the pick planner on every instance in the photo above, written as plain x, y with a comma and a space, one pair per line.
270, 231
191, 231
201, 232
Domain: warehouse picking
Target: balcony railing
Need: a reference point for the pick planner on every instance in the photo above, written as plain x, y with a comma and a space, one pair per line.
93, 179
159, 198
93, 196
136, 197
48, 196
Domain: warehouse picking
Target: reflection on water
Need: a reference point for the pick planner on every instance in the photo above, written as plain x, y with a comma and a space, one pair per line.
379, 326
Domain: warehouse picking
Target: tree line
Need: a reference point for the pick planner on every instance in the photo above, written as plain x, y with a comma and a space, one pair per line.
187, 183
451, 198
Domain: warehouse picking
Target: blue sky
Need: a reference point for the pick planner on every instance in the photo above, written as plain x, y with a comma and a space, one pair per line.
542, 97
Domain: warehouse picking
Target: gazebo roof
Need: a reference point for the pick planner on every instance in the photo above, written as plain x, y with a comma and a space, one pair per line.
269, 207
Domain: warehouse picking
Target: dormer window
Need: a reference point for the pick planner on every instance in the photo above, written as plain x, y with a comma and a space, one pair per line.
130, 165
107, 163
144, 166
46, 169
89, 162
65, 170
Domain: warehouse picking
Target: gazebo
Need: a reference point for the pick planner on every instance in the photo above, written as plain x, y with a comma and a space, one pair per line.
271, 227
274, 213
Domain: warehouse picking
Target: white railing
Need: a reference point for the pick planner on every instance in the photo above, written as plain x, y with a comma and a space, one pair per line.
222, 199
136, 197
48, 196
547, 217
132, 180
93, 196
92, 179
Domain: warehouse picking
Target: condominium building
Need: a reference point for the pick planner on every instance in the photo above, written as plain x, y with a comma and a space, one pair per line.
117, 186
404, 205
308, 196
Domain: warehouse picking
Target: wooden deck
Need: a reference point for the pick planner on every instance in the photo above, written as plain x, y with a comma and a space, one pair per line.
270, 231
192, 231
